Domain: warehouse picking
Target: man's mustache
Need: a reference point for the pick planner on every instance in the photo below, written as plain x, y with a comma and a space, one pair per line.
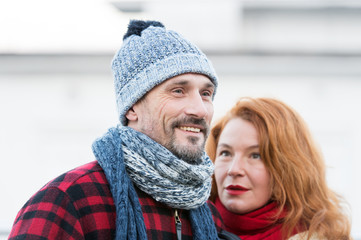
191, 120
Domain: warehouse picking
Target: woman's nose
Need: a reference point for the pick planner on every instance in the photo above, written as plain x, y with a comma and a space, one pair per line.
236, 167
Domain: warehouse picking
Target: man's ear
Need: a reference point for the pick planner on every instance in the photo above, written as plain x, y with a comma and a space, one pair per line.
131, 115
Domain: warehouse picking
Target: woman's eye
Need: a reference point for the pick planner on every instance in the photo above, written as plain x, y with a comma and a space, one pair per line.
255, 156
224, 153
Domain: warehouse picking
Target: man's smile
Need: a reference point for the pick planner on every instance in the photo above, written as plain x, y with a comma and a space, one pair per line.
190, 129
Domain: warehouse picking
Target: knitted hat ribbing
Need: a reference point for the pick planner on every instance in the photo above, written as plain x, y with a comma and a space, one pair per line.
149, 55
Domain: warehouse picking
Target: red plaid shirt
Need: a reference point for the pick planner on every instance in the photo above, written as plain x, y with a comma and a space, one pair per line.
79, 205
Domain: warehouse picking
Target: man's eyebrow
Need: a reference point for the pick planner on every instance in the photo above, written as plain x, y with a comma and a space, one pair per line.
210, 85
180, 82
185, 82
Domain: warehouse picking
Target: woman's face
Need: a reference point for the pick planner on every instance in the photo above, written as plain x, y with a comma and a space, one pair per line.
242, 179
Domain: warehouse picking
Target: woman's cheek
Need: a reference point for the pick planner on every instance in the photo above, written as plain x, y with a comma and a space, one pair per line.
220, 174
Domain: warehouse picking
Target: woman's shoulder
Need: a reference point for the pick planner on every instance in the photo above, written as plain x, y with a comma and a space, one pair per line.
303, 236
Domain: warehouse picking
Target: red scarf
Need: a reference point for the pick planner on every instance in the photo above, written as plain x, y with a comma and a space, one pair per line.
255, 225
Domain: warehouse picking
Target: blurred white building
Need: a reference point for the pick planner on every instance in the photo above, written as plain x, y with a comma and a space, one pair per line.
56, 87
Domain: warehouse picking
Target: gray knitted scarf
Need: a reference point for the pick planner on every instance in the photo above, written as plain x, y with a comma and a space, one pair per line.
123, 144
159, 173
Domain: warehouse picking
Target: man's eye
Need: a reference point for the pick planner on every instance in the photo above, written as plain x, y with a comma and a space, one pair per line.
179, 91
207, 94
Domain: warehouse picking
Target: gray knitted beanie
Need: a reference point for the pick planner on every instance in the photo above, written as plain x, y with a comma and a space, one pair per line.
149, 55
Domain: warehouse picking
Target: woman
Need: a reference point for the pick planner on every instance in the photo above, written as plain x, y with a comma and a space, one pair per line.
270, 179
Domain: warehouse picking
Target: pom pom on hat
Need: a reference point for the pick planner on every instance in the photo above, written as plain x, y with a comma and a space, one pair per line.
149, 55
136, 27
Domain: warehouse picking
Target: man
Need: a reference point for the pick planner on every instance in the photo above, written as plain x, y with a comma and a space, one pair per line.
151, 178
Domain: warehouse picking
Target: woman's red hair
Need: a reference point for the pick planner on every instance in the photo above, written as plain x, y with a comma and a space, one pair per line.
296, 167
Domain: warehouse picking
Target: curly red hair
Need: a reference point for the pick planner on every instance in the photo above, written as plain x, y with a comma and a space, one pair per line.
297, 168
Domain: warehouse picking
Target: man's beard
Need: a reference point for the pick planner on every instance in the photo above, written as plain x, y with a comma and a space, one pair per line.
188, 153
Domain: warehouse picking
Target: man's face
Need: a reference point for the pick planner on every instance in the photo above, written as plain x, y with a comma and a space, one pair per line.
177, 114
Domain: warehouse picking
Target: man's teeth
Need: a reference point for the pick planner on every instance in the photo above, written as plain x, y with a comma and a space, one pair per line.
190, 129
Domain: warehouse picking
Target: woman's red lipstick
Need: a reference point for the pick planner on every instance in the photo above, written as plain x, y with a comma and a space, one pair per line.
236, 189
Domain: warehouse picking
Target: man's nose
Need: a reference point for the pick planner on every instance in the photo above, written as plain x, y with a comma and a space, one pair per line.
197, 106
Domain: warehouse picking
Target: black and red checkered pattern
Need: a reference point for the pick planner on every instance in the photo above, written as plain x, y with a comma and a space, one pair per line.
79, 205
